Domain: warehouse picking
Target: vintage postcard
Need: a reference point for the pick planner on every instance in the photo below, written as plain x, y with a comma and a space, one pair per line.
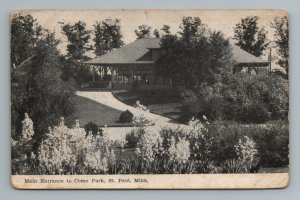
149, 99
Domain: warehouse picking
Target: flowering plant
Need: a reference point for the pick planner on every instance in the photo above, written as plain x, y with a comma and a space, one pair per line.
72, 149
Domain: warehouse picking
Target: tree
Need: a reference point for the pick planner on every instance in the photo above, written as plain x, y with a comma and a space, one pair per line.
168, 65
144, 31
166, 29
50, 97
25, 32
281, 28
78, 38
38, 88
108, 36
192, 28
250, 37
156, 33
220, 57
197, 56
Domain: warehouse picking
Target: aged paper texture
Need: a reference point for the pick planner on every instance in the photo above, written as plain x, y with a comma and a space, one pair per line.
149, 99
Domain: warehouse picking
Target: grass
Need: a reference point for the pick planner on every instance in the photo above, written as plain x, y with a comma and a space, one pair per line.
90, 111
148, 97
162, 102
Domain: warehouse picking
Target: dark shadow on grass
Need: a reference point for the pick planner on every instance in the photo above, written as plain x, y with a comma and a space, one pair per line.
88, 110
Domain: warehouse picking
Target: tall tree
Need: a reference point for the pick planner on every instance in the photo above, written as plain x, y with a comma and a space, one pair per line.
166, 29
192, 28
281, 27
37, 85
219, 59
107, 36
250, 37
78, 38
195, 57
143, 31
156, 33
78, 44
168, 65
25, 32
50, 97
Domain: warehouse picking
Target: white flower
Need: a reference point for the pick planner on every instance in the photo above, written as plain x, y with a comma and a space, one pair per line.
27, 128
246, 149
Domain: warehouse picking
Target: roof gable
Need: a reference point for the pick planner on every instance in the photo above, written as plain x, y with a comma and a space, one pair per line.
128, 54
138, 51
243, 57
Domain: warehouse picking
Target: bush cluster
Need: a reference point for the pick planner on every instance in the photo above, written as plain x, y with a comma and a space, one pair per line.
93, 128
199, 147
242, 98
272, 141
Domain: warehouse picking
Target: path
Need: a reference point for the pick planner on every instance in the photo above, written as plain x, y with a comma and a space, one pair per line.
106, 98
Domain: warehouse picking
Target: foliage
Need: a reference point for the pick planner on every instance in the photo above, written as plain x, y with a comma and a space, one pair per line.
166, 29
93, 128
199, 55
75, 71
78, 38
143, 31
192, 28
140, 118
22, 149
200, 147
270, 141
126, 116
156, 33
69, 151
27, 128
168, 64
25, 33
245, 159
108, 36
250, 37
281, 28
78, 44
37, 85
240, 97
209, 148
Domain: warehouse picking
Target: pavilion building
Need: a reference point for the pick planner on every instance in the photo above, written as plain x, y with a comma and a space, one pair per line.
135, 63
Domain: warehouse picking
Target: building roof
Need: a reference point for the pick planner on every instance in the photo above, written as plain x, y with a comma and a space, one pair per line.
243, 57
128, 54
134, 53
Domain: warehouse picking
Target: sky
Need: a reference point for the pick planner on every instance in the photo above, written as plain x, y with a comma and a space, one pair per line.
220, 20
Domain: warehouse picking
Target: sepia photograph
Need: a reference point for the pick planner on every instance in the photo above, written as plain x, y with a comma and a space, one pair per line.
149, 99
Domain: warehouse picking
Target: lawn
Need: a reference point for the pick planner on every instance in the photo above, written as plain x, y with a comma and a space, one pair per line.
162, 102
90, 111
148, 97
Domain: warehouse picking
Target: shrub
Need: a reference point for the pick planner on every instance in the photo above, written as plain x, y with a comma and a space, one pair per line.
240, 97
126, 117
131, 140
73, 151
254, 113
94, 128
271, 140
199, 147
